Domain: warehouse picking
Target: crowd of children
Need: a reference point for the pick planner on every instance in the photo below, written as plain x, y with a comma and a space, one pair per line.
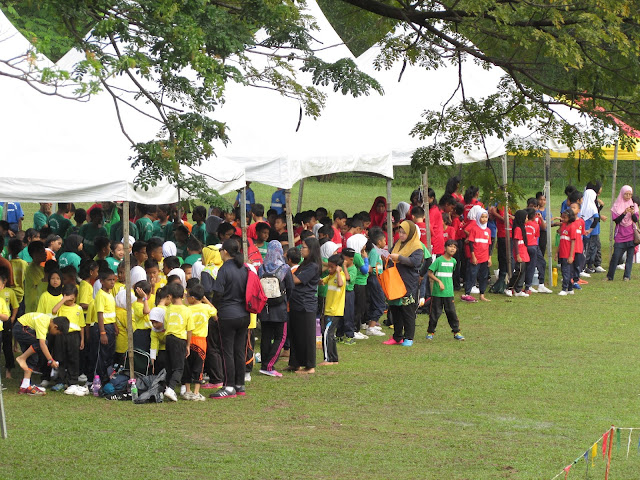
63, 300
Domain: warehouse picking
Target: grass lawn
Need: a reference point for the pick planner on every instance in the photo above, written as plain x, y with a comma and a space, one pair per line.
537, 381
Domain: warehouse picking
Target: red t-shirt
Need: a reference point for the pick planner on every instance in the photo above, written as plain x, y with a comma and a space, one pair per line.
533, 232
449, 233
500, 228
251, 230
459, 198
567, 233
481, 239
423, 233
578, 226
337, 238
437, 231
456, 225
519, 248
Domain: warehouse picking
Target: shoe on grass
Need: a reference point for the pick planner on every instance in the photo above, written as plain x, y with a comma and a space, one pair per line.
32, 391
585, 274
543, 289
170, 393
271, 373
187, 396
349, 341
211, 385
508, 292
57, 387
375, 333
247, 377
407, 343
576, 286
521, 294
224, 392
562, 293
391, 341
468, 298
430, 336
240, 390
360, 336
72, 389
475, 290
599, 269
531, 290
458, 336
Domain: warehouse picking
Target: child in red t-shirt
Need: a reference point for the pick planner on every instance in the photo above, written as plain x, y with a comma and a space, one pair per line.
566, 250
417, 213
478, 243
578, 264
519, 244
533, 235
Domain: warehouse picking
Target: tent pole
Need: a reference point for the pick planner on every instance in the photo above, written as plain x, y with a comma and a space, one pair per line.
5, 210
507, 237
613, 195
243, 222
634, 176
547, 193
300, 192
425, 205
389, 220
3, 421
127, 286
287, 196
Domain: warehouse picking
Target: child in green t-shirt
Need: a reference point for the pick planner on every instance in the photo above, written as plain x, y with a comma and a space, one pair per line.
441, 273
346, 326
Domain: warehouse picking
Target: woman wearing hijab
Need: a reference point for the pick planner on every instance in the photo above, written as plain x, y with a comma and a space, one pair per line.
73, 254
378, 212
303, 304
274, 316
625, 214
407, 255
403, 209
478, 243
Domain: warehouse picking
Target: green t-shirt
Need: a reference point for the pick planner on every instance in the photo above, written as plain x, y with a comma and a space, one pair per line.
59, 225
200, 232
115, 218
443, 270
263, 250
323, 289
375, 261
70, 258
353, 273
145, 228
358, 261
89, 232
116, 232
24, 255
191, 259
113, 264
165, 232
39, 220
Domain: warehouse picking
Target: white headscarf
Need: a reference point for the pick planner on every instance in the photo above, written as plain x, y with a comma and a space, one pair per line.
328, 249
315, 229
197, 268
357, 242
403, 209
169, 249
588, 208
121, 298
137, 275
180, 273
157, 315
475, 213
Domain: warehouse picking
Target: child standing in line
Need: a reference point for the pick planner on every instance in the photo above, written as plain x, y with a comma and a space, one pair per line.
361, 261
73, 341
199, 230
201, 312
533, 236
376, 304
7, 317
105, 331
53, 295
179, 328
578, 264
333, 309
566, 250
158, 352
478, 242
519, 241
141, 323
441, 273
346, 326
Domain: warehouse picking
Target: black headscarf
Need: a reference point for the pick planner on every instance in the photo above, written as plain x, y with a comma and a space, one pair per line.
55, 291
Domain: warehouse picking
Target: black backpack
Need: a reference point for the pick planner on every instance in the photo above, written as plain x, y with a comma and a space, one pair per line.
275, 292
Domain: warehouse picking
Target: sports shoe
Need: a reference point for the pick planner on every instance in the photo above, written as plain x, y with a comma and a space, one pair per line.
468, 298
570, 292
562, 293
585, 275
198, 397
360, 336
475, 290
391, 341
599, 269
527, 291
32, 390
271, 373
57, 387
247, 377
576, 286
349, 341
72, 390
407, 343
458, 336
170, 393
211, 385
81, 391
187, 396
339, 339
82, 378
224, 392
376, 327
531, 290
240, 391
521, 294
508, 292
430, 336
543, 289
183, 389
620, 267
375, 333
258, 357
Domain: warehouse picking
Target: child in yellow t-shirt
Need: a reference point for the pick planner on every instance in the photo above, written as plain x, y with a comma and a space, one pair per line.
18, 266
74, 340
119, 285
201, 312
179, 327
141, 323
52, 295
333, 308
122, 339
105, 330
4, 316
11, 304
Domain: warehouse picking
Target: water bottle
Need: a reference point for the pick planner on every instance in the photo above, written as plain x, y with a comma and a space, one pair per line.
134, 389
554, 277
96, 385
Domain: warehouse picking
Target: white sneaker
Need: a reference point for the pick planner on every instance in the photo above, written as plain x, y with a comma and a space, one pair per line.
198, 397
532, 290
599, 269
543, 289
247, 377
620, 267
375, 333
562, 293
421, 302
475, 290
571, 292
170, 394
72, 389
360, 336
81, 391
82, 378
508, 292
183, 389
376, 327
187, 396
585, 275
521, 294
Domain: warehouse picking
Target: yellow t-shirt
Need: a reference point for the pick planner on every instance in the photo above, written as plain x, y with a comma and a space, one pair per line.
4, 310
38, 322
159, 284
19, 267
106, 304
201, 312
85, 293
47, 302
178, 321
334, 304
33, 276
157, 343
91, 316
116, 288
140, 320
74, 314
122, 341
9, 297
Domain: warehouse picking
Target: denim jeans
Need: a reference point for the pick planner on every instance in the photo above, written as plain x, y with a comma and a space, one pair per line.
618, 250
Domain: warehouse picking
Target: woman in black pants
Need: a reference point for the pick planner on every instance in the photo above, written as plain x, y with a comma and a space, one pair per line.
229, 297
303, 304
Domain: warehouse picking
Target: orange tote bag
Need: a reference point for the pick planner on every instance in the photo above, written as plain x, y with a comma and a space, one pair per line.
391, 282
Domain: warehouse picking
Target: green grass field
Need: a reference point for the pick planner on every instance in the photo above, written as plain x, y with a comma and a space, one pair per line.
536, 382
